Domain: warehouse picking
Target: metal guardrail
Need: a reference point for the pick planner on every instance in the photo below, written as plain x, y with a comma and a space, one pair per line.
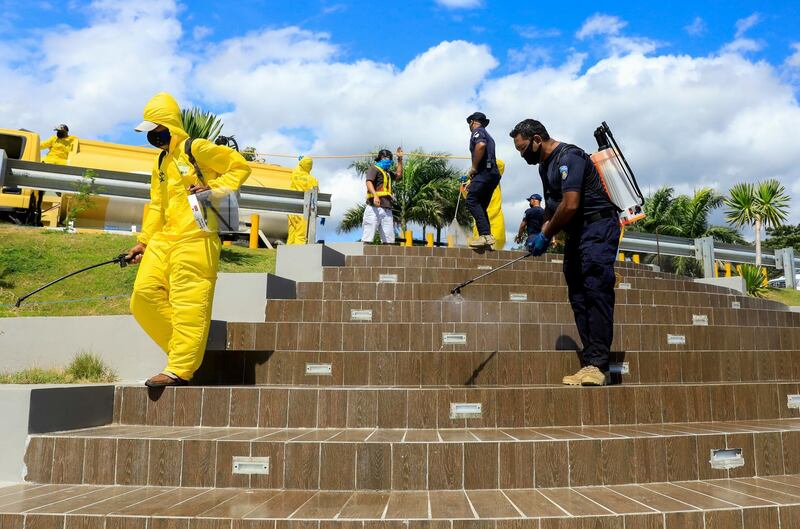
62, 179
706, 250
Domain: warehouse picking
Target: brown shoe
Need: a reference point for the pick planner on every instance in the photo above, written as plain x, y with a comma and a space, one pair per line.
165, 379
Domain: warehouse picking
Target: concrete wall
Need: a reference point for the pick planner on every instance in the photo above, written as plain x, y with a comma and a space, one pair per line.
734, 283
52, 342
305, 262
14, 409
240, 297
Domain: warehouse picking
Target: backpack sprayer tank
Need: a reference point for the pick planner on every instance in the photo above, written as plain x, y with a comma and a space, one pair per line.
617, 176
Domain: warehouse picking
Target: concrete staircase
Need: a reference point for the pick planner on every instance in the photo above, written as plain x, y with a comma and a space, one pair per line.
383, 403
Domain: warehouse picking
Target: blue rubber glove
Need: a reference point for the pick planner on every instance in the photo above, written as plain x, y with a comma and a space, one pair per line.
537, 244
463, 179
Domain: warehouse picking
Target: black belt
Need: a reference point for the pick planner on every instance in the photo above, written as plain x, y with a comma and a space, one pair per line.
594, 217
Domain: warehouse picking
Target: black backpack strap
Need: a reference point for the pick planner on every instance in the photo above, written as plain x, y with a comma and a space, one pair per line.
187, 148
161, 158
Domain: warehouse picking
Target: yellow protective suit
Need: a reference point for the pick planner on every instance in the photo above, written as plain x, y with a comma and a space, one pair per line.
174, 286
59, 149
497, 223
301, 181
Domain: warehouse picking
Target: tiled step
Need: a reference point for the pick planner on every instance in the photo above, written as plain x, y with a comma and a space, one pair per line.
486, 292
387, 311
507, 368
747, 503
388, 459
430, 407
497, 336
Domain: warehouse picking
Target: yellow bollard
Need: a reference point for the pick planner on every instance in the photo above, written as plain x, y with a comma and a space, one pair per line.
716, 268
621, 257
451, 241
254, 220
727, 270
429, 240
409, 238
636, 258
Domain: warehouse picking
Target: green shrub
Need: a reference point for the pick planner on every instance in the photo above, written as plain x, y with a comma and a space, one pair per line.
34, 375
89, 367
753, 280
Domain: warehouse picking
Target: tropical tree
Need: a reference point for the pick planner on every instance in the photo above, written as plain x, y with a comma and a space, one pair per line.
200, 123
426, 195
684, 216
764, 204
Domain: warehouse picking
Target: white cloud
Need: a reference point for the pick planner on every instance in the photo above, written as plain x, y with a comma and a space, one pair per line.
135, 53
793, 60
601, 24
744, 24
532, 32
681, 120
742, 45
460, 4
201, 32
696, 27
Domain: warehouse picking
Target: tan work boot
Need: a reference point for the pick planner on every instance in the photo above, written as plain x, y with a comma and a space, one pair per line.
478, 242
574, 380
592, 376
489, 240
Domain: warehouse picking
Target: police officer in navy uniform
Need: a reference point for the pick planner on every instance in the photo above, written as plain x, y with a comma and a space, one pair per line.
484, 178
532, 219
576, 202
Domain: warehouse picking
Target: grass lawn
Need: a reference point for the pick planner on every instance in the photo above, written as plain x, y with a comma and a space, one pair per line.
85, 368
785, 296
31, 257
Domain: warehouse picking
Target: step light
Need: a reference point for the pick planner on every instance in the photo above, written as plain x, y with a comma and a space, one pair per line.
250, 465
700, 319
319, 369
557, 261
518, 296
625, 286
466, 410
454, 338
676, 339
726, 458
793, 401
619, 368
387, 278
360, 315
484, 267
736, 305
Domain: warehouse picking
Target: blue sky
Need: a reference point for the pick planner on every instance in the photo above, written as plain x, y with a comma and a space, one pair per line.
699, 93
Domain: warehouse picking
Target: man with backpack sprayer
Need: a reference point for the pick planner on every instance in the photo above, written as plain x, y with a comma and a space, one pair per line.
576, 202
178, 247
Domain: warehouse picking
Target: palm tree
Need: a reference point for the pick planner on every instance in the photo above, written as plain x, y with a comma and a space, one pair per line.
201, 124
425, 195
764, 204
684, 216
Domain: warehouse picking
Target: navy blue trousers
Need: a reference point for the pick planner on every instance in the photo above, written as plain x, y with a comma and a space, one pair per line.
479, 194
589, 257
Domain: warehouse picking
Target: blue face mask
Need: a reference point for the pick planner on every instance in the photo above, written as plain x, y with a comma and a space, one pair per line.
158, 138
384, 164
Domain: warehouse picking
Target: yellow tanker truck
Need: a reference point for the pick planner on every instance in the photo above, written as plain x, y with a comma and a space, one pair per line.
268, 187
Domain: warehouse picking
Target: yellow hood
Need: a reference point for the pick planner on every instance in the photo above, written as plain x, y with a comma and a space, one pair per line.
164, 110
305, 165
501, 166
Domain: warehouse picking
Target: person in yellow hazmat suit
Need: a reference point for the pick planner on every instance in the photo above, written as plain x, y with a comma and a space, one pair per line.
60, 146
497, 222
301, 181
174, 286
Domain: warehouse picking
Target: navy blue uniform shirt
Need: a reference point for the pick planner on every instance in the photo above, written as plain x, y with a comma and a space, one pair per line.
534, 218
568, 168
487, 164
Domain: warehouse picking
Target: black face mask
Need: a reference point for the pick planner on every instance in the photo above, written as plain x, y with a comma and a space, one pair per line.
61, 133
530, 156
158, 138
